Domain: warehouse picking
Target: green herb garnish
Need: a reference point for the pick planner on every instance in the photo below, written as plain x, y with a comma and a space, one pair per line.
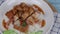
24, 24
10, 32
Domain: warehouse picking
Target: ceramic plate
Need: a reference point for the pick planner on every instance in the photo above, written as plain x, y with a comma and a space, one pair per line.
49, 17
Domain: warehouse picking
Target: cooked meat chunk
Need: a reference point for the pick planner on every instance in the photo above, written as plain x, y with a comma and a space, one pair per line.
9, 14
38, 8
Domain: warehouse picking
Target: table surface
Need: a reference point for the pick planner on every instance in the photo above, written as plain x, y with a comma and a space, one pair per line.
56, 27
56, 4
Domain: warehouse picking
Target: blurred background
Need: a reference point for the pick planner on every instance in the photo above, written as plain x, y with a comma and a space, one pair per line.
56, 4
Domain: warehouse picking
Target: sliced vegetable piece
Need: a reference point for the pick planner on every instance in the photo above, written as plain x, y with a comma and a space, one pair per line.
39, 32
10, 32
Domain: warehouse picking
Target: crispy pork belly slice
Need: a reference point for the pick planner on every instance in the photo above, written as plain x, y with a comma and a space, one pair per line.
17, 7
23, 5
36, 20
43, 23
9, 14
5, 25
38, 8
14, 11
31, 10
30, 21
15, 18
25, 15
33, 18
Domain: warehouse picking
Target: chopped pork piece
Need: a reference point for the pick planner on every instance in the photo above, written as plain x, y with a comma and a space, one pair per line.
5, 25
25, 15
14, 11
31, 10
43, 23
30, 21
9, 14
38, 8
23, 5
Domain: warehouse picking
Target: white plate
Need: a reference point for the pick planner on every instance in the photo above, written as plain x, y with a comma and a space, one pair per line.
49, 17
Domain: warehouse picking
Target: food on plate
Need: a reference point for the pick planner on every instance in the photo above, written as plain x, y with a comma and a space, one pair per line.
38, 8
23, 15
5, 24
43, 23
